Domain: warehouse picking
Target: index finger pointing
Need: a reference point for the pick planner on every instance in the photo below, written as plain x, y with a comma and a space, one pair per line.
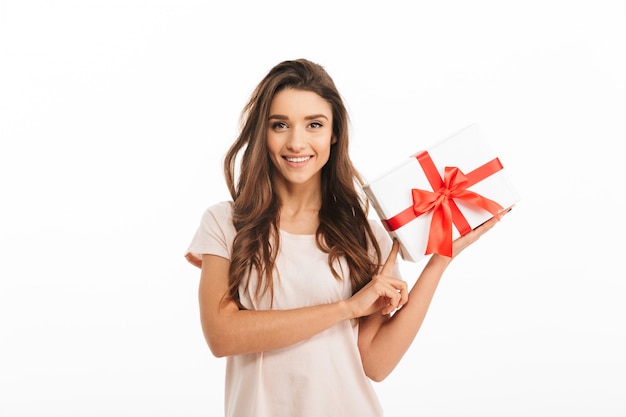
391, 259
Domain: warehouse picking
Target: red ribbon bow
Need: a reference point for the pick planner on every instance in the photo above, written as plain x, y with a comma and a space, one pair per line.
441, 202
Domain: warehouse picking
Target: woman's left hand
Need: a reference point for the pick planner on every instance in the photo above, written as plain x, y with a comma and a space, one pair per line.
466, 240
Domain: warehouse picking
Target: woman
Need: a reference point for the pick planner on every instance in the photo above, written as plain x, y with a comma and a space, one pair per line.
293, 289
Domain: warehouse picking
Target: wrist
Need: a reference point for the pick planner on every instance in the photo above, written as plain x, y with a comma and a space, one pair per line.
439, 261
345, 310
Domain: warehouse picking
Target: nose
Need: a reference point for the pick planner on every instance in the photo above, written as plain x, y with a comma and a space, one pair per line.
297, 140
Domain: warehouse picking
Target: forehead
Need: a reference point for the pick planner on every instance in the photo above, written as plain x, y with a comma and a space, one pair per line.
292, 102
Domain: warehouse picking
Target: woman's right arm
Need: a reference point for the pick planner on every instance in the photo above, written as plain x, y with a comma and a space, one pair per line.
231, 331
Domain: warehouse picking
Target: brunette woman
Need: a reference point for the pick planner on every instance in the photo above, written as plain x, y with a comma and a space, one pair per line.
299, 289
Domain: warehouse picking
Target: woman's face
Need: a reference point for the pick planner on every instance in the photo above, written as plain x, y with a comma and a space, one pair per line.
299, 136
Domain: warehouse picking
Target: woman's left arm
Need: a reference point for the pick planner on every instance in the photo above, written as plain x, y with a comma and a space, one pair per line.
384, 339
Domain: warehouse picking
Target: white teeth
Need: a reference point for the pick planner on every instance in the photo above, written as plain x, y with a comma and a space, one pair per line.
301, 159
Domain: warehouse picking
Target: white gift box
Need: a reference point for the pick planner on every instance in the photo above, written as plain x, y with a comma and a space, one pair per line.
391, 194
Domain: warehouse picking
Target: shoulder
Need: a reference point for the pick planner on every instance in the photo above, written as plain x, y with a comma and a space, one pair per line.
384, 242
219, 217
222, 212
382, 236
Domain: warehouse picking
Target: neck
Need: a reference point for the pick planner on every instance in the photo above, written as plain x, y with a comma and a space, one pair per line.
298, 197
299, 207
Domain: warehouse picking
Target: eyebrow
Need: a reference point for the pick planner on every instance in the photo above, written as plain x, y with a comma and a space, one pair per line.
311, 117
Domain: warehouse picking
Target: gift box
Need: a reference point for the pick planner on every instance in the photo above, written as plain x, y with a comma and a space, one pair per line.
441, 193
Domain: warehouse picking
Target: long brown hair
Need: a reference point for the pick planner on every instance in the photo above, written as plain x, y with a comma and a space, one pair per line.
343, 231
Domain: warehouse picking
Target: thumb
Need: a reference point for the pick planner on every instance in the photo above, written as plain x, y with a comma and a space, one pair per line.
391, 259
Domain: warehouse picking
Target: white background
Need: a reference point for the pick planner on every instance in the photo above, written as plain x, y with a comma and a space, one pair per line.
114, 119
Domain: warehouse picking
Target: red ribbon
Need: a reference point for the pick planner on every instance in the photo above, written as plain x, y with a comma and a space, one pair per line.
441, 202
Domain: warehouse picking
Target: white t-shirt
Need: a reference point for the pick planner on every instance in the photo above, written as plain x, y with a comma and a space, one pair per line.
319, 377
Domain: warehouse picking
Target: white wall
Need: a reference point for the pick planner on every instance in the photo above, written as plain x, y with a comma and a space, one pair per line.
114, 118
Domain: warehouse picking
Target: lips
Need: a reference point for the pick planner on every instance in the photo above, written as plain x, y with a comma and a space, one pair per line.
297, 159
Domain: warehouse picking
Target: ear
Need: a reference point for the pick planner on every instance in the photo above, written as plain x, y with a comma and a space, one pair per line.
333, 140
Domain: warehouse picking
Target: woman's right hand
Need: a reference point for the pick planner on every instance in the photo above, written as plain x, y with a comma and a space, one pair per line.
384, 293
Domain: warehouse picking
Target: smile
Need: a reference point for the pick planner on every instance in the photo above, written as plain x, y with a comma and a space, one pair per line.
299, 159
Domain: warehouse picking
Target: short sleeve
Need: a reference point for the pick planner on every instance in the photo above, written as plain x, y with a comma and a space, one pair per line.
214, 235
385, 243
